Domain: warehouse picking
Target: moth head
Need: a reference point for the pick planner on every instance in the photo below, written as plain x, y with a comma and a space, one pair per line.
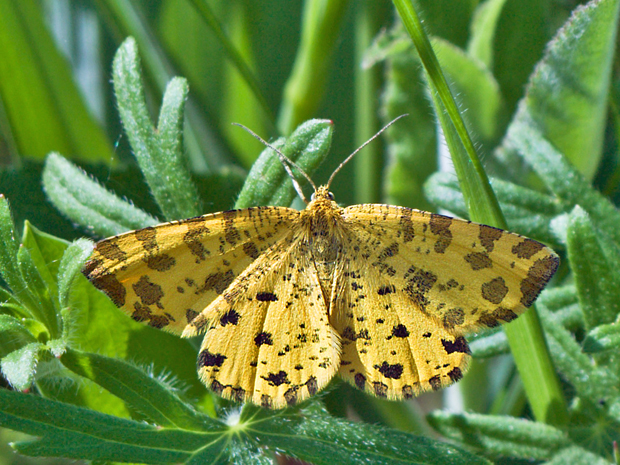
289, 164
322, 191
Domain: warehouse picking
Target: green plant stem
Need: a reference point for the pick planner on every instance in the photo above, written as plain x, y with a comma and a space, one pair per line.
207, 14
437, 78
525, 334
369, 162
305, 86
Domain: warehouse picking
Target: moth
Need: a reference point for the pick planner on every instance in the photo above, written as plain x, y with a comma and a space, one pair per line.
381, 295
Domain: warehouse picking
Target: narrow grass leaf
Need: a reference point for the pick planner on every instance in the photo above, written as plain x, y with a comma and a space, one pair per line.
39, 96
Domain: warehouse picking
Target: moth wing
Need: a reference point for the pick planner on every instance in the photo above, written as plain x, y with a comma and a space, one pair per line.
467, 275
268, 339
411, 283
167, 274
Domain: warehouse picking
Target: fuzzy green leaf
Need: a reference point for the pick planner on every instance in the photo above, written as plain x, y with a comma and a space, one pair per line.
595, 265
31, 269
73, 260
527, 211
500, 435
577, 456
142, 392
310, 434
591, 382
158, 152
489, 344
561, 178
566, 98
63, 430
8, 249
44, 250
324, 440
268, 183
602, 338
86, 202
19, 366
13, 335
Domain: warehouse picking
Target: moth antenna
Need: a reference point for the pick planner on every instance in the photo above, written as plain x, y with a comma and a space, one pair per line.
346, 160
286, 161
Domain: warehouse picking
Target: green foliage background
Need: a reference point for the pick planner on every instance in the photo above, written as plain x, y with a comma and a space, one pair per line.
530, 87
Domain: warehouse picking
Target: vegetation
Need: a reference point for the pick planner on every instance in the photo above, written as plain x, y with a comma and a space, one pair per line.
536, 112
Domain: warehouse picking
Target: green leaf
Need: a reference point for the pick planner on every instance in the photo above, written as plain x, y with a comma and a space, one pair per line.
563, 303
86, 202
159, 152
268, 183
527, 211
566, 98
489, 344
21, 184
595, 265
71, 264
64, 430
500, 435
43, 307
519, 41
561, 177
19, 366
412, 149
483, 31
590, 382
577, 456
44, 106
142, 392
324, 440
8, 249
478, 92
13, 335
45, 251
310, 434
98, 326
602, 338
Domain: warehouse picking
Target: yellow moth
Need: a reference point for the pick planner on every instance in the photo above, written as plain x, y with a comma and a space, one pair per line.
378, 294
